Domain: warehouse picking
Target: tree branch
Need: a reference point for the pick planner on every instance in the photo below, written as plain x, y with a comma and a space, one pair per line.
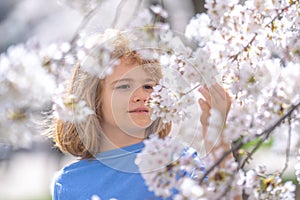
266, 133
234, 57
225, 154
118, 12
136, 9
84, 23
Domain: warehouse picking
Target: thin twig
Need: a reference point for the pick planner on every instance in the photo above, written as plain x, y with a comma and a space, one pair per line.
281, 11
228, 187
266, 132
118, 12
288, 147
195, 87
84, 23
249, 155
225, 154
234, 57
135, 13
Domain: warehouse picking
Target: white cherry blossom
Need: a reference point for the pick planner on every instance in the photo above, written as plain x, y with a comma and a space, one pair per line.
69, 108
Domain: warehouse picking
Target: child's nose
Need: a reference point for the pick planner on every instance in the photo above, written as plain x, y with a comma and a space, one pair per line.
140, 95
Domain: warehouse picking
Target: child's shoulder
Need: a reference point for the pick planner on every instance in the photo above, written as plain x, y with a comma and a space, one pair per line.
75, 169
69, 181
82, 163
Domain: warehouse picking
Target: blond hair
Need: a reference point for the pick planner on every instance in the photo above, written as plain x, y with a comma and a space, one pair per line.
83, 139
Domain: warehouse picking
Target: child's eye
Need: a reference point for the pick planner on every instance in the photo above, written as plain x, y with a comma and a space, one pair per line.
125, 86
148, 87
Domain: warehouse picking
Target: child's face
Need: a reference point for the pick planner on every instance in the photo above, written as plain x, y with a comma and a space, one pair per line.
125, 93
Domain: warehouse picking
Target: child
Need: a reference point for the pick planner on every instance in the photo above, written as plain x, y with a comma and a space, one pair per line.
108, 141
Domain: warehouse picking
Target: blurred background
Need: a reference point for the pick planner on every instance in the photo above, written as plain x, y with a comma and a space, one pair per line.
26, 169
27, 164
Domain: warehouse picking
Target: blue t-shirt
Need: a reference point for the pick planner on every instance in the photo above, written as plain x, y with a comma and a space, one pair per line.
112, 174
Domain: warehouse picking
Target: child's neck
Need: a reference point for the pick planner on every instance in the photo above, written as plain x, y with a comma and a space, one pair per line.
114, 138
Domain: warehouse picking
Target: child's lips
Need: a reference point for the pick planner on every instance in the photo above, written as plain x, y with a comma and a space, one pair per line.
139, 110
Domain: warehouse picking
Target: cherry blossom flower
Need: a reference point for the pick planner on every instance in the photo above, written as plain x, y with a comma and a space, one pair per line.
251, 47
259, 185
169, 105
158, 10
26, 87
164, 161
95, 53
69, 108
23, 78
190, 189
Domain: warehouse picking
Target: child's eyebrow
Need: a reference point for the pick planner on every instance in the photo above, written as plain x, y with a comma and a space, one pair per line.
121, 80
149, 80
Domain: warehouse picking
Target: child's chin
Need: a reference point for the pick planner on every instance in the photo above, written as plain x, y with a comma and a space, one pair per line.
142, 124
